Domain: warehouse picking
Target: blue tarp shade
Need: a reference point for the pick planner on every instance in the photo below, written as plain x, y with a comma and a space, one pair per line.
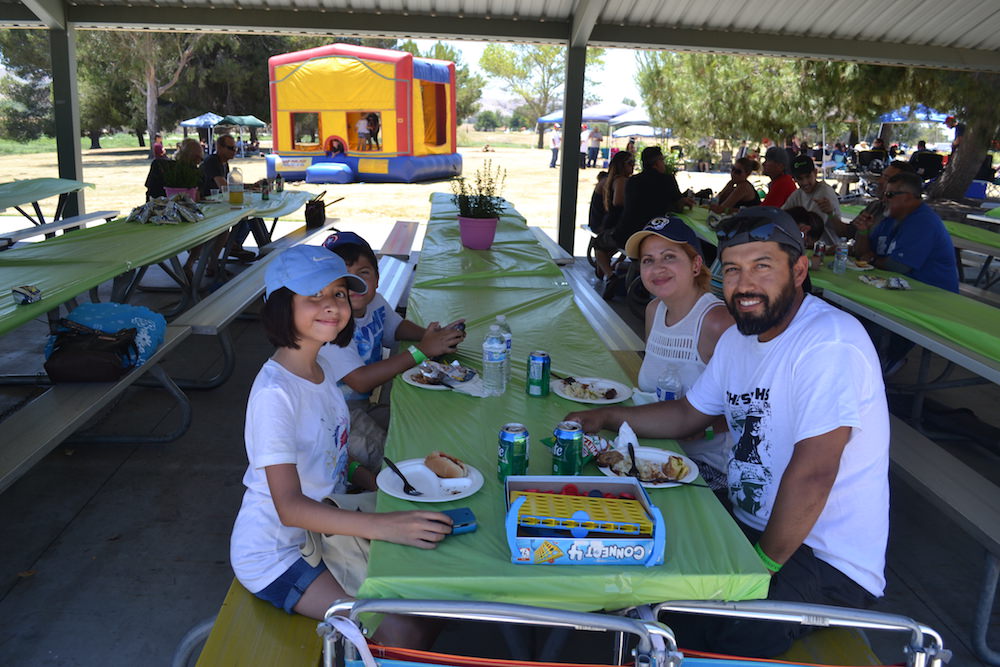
205, 120
598, 113
636, 116
918, 114
242, 121
640, 131
426, 70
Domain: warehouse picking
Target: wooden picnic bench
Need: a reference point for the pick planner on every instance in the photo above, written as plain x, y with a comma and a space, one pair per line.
48, 229
964, 496
399, 243
52, 418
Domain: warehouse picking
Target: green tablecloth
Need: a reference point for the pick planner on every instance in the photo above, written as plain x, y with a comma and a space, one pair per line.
70, 264
31, 190
706, 555
964, 321
959, 230
697, 219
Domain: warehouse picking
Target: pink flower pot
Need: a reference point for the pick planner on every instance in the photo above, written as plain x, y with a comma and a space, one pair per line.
477, 233
190, 192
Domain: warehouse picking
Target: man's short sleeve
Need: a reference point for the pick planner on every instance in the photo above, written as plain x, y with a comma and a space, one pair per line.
708, 395
836, 390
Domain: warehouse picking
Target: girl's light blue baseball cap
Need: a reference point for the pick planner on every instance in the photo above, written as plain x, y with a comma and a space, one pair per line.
306, 270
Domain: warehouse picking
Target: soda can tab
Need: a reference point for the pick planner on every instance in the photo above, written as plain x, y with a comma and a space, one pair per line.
25, 294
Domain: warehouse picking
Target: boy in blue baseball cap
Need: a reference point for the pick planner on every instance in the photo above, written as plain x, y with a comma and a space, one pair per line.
360, 367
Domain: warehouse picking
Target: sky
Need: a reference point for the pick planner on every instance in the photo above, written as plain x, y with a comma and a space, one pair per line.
616, 80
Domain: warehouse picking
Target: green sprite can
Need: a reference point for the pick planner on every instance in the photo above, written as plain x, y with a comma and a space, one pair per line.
539, 370
567, 453
512, 452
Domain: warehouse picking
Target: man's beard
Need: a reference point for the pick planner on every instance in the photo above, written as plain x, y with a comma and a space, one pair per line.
774, 313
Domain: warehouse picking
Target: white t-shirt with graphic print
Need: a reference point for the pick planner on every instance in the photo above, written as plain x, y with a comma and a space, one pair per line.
821, 373
289, 420
373, 331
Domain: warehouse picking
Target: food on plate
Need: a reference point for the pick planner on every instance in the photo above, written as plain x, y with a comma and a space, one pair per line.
590, 391
608, 458
430, 372
653, 472
861, 264
445, 466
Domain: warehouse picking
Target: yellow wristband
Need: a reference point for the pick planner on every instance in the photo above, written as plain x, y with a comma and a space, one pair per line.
418, 356
351, 469
770, 564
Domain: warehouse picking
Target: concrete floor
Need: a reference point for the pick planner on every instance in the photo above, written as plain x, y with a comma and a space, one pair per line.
112, 552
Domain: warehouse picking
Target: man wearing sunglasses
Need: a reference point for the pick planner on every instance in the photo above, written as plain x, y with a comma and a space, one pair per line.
911, 239
799, 384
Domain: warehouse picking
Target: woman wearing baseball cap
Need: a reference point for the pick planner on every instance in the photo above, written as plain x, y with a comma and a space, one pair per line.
683, 323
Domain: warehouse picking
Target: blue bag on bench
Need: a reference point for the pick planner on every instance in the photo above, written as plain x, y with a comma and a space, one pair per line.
150, 326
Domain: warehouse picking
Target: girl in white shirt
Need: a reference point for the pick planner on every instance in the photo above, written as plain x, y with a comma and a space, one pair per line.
296, 438
683, 322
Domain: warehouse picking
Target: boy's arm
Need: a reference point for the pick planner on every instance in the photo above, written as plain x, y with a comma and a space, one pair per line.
408, 330
433, 343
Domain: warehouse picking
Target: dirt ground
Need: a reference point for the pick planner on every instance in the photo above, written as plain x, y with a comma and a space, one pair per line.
119, 174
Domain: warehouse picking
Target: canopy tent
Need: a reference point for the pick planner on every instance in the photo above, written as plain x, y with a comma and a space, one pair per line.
242, 121
598, 113
641, 131
636, 116
205, 120
918, 114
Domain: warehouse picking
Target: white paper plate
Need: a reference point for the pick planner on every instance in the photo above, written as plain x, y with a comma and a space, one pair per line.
408, 379
852, 266
434, 489
624, 391
659, 456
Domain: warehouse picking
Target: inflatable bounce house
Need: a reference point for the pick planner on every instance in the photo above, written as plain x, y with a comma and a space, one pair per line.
342, 113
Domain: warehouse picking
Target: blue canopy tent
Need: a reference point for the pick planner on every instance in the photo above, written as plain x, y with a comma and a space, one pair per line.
641, 131
205, 120
636, 116
598, 113
917, 114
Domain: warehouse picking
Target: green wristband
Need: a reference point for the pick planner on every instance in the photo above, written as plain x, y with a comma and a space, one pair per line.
418, 356
351, 469
770, 564
862, 232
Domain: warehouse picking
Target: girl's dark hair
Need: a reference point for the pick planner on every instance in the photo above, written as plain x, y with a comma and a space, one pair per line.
749, 164
279, 321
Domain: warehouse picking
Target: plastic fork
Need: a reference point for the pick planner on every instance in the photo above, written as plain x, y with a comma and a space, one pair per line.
407, 487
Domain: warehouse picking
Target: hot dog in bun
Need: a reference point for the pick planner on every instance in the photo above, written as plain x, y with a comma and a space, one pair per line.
445, 465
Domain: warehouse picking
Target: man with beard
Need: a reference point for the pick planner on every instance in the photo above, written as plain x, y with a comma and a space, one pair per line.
800, 381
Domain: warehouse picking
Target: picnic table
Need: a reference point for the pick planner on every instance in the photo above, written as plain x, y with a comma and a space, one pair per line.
16, 194
66, 266
707, 557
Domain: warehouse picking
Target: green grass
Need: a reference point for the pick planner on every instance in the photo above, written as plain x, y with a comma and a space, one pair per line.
120, 140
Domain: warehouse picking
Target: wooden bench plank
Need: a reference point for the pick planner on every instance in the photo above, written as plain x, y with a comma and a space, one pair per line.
979, 294
616, 334
249, 631
556, 251
10, 238
394, 279
965, 496
400, 240
37, 428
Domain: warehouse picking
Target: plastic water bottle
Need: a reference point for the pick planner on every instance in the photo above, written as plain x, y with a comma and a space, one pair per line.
494, 359
508, 338
840, 256
669, 386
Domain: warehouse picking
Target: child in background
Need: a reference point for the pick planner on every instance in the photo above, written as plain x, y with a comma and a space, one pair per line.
359, 366
296, 438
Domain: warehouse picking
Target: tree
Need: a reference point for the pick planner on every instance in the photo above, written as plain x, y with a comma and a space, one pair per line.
487, 121
701, 94
535, 74
25, 90
521, 118
969, 95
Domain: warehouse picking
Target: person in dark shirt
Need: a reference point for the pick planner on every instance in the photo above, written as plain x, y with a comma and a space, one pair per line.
959, 128
652, 193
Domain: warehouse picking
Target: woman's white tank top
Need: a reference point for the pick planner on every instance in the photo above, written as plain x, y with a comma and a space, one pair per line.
677, 345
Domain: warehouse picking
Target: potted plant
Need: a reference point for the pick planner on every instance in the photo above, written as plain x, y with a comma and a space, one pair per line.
479, 205
180, 177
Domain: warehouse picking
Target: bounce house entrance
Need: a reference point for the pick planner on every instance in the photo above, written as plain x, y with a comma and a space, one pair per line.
435, 101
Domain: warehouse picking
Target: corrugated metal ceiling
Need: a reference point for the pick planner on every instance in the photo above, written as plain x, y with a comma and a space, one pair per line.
952, 33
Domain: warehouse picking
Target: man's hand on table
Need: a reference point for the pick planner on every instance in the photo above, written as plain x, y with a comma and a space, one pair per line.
596, 420
418, 528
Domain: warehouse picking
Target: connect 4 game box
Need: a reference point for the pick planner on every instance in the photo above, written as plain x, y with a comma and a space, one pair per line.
582, 521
